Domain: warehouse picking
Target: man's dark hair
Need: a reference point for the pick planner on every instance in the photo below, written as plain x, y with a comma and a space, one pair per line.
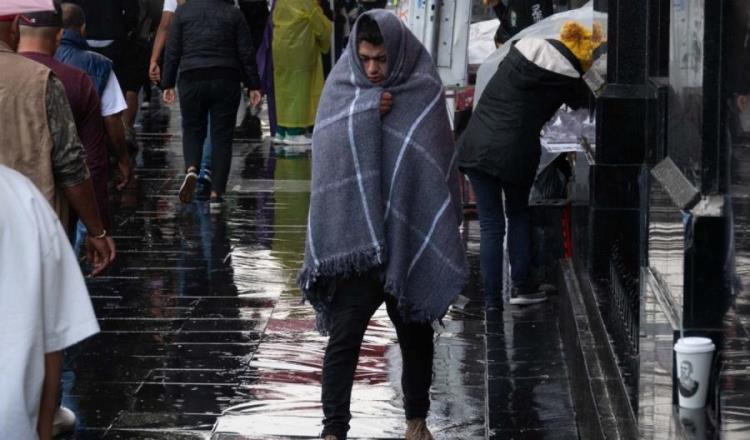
369, 31
73, 16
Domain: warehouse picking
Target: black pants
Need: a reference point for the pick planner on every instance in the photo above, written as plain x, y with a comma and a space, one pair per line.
355, 302
219, 98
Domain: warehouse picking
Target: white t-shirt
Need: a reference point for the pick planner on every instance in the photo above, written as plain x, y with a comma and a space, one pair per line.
44, 303
170, 5
113, 102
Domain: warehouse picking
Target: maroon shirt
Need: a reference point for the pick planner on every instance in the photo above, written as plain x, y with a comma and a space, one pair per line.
87, 113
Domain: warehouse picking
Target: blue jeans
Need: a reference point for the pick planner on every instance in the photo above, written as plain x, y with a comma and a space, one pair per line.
489, 192
207, 150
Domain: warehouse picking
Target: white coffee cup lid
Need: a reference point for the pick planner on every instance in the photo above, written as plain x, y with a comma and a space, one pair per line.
694, 345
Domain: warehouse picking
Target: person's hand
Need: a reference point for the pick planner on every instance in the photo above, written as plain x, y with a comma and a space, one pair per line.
126, 169
386, 103
100, 253
255, 97
168, 96
154, 72
742, 102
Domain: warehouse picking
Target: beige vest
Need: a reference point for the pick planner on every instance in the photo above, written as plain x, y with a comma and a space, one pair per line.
25, 141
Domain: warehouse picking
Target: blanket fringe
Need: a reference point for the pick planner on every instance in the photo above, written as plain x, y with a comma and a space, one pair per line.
318, 283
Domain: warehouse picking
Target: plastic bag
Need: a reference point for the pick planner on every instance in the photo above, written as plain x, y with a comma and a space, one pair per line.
547, 28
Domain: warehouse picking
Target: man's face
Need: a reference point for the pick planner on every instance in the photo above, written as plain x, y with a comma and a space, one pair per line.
685, 370
374, 60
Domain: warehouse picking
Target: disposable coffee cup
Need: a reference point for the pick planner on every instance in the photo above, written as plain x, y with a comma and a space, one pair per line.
694, 356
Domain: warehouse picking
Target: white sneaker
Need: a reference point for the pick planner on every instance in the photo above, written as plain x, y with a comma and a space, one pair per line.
63, 422
278, 139
520, 299
299, 139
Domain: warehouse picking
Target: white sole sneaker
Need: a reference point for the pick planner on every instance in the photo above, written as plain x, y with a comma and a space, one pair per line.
298, 140
187, 190
529, 298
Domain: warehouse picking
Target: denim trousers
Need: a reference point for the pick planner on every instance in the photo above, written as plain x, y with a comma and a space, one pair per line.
355, 301
199, 100
490, 193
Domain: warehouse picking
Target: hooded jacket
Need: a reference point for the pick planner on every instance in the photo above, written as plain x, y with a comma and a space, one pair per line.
530, 85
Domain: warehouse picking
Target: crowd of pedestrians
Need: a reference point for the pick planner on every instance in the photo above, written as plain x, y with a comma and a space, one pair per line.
384, 216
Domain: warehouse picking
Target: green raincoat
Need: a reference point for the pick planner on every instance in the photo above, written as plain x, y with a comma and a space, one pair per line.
301, 34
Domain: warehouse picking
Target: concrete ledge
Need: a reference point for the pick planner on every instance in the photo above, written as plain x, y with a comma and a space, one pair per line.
601, 403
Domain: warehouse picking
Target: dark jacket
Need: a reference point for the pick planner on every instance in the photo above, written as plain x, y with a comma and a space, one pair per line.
109, 19
209, 34
75, 51
502, 137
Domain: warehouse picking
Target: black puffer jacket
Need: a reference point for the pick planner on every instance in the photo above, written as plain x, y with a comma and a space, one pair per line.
209, 34
502, 137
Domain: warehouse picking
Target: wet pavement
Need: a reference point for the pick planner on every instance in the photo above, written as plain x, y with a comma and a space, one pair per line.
204, 336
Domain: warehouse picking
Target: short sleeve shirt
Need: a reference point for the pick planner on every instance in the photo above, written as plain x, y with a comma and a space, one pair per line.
44, 303
170, 5
113, 101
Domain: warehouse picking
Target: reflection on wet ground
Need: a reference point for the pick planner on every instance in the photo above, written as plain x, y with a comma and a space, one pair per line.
666, 247
203, 334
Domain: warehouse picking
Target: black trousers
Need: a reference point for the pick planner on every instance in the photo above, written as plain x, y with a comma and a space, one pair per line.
219, 98
355, 301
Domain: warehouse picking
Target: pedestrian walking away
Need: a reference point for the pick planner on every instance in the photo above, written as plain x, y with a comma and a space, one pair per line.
75, 51
213, 56
40, 141
40, 33
384, 213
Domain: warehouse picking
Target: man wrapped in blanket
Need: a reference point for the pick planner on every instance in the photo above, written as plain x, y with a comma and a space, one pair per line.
384, 213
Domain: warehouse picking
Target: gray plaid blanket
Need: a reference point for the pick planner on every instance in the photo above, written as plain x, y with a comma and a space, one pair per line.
385, 194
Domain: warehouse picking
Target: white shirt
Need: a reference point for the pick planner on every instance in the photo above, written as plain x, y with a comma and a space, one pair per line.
170, 5
44, 304
113, 102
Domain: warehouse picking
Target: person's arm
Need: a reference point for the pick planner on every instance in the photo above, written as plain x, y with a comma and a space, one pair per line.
119, 147
322, 28
113, 105
50, 388
172, 54
154, 72
72, 175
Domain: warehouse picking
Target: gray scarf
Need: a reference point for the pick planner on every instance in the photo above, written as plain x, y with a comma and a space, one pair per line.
385, 193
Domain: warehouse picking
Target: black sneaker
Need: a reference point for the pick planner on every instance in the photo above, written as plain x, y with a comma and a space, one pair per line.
546, 288
520, 297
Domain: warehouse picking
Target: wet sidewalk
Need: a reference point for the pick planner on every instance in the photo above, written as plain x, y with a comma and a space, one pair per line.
204, 337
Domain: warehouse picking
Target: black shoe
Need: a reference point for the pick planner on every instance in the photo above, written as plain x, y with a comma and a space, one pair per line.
520, 296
